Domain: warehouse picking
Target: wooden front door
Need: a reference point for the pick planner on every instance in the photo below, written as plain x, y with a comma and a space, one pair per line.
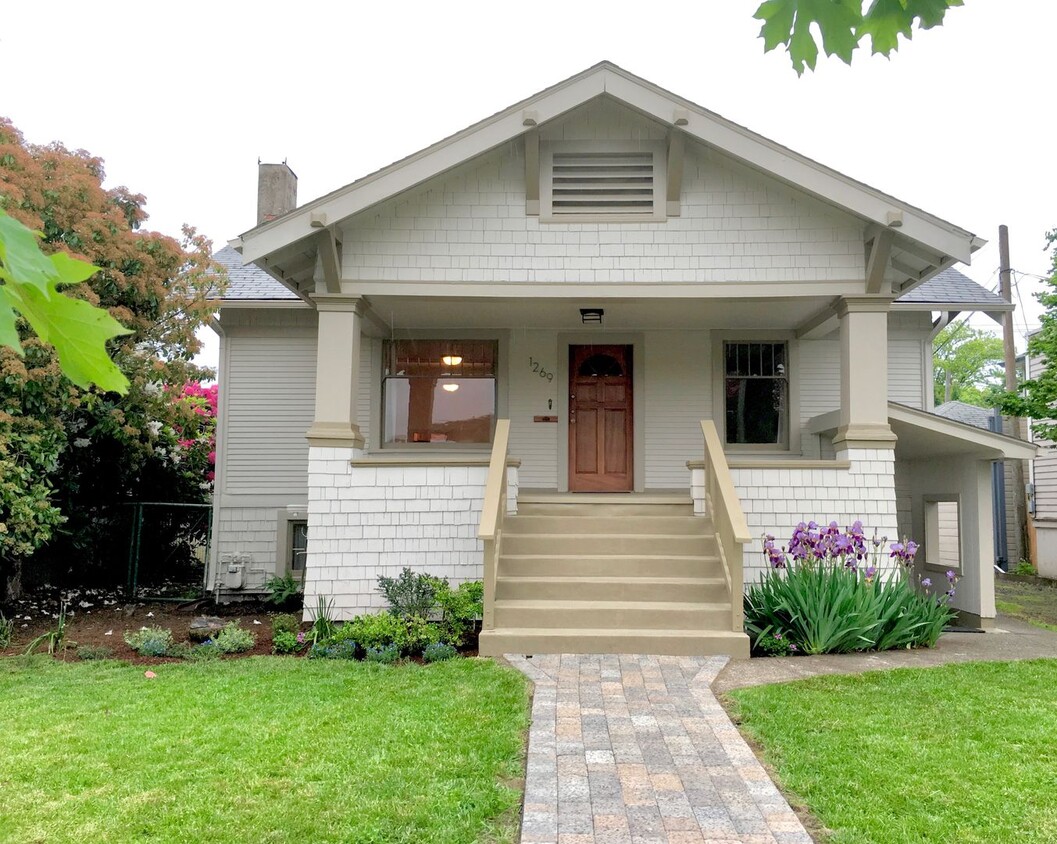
600, 419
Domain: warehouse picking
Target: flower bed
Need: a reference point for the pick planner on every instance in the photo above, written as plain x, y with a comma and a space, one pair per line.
830, 591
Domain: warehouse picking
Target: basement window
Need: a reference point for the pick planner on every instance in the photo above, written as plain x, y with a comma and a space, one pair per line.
599, 182
439, 392
298, 551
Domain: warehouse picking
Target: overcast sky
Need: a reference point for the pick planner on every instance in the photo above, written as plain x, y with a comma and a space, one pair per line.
181, 99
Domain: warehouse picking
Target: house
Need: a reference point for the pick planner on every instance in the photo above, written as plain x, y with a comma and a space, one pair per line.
589, 350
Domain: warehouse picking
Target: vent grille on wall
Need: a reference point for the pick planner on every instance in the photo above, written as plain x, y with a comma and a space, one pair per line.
600, 183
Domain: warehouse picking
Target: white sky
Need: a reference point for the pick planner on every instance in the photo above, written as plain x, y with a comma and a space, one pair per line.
181, 99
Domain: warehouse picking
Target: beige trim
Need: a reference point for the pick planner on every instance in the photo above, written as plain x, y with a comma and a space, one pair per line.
284, 519
432, 459
960, 307
257, 304
735, 462
863, 305
879, 250
606, 78
864, 436
1010, 448
612, 290
493, 513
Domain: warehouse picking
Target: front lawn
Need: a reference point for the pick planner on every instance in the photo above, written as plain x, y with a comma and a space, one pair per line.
263, 749
963, 753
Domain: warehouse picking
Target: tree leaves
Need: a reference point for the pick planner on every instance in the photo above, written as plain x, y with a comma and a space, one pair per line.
843, 24
78, 330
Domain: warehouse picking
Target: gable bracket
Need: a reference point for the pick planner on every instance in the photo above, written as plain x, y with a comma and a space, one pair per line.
675, 171
532, 172
880, 248
330, 258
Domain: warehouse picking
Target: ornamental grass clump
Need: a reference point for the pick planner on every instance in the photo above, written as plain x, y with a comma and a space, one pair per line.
826, 593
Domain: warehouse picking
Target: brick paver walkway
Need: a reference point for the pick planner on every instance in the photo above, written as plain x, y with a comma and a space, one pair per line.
628, 749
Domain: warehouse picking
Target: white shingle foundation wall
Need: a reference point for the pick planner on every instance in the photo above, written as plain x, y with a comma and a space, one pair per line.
776, 500
366, 521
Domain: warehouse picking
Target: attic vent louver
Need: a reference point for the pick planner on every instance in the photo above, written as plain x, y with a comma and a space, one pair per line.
604, 184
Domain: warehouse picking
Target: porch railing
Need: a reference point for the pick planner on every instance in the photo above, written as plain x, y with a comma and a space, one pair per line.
492, 515
728, 519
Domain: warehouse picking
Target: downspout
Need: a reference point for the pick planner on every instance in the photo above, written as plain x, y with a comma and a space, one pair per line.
213, 562
998, 500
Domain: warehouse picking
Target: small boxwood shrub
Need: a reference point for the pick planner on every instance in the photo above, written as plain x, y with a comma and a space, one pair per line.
412, 594
234, 639
285, 623
385, 655
375, 631
438, 652
420, 634
460, 608
150, 641
204, 652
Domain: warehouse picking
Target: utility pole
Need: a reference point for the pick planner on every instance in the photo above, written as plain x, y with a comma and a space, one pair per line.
1010, 349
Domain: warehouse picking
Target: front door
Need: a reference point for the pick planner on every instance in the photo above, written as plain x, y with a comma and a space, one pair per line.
600, 419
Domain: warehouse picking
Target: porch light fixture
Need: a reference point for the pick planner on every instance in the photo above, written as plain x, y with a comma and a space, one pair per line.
451, 388
589, 315
451, 360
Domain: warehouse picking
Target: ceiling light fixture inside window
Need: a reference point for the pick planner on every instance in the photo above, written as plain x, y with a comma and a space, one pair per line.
451, 388
451, 360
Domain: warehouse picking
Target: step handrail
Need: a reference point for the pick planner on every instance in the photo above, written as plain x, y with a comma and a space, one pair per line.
728, 519
493, 512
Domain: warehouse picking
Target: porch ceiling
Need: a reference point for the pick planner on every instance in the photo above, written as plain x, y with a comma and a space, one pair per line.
417, 312
926, 435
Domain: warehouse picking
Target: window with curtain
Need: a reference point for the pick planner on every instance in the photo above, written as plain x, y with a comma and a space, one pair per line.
756, 391
439, 391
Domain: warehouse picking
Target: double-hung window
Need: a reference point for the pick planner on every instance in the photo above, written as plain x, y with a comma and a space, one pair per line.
439, 391
756, 393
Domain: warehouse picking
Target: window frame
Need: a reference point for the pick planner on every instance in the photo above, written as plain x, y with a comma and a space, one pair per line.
286, 519
930, 541
720, 340
658, 148
436, 337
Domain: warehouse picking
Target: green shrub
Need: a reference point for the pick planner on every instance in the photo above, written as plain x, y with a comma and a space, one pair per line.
7, 632
150, 641
283, 590
825, 596
234, 639
285, 642
385, 655
460, 608
375, 631
420, 634
1024, 568
772, 644
90, 652
286, 623
411, 594
438, 652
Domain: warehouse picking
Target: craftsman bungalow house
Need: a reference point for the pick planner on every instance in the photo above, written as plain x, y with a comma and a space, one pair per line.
589, 350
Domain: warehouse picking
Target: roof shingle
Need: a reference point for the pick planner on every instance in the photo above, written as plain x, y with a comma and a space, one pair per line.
248, 281
954, 288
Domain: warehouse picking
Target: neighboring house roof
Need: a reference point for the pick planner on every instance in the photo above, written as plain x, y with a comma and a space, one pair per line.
950, 289
967, 414
248, 281
920, 236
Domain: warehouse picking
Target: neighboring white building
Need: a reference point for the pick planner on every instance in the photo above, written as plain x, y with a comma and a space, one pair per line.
588, 350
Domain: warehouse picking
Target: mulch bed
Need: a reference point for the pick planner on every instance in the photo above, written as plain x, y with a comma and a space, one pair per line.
100, 617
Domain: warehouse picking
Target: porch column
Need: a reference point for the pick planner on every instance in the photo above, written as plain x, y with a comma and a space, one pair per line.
337, 372
863, 374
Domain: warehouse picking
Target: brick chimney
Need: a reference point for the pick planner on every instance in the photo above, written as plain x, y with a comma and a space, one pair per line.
276, 191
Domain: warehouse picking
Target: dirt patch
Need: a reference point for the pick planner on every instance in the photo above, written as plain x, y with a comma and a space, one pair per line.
1030, 599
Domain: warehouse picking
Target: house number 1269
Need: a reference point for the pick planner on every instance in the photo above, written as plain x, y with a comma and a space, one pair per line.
535, 366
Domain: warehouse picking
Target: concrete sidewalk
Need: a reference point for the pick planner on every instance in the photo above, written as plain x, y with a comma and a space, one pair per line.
1011, 639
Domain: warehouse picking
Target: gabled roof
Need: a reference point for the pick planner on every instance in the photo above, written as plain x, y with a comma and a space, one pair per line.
248, 281
941, 242
967, 414
952, 290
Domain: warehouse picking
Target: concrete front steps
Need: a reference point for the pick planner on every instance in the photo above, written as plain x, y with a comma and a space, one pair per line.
610, 574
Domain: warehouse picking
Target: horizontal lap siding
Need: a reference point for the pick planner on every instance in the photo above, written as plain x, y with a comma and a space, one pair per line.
906, 366
678, 387
534, 443
1046, 483
271, 394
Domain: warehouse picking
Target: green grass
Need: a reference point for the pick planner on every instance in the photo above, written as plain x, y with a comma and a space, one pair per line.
263, 749
962, 753
1034, 604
